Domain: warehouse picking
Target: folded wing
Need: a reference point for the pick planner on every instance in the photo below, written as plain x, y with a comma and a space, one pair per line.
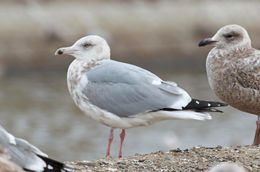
126, 90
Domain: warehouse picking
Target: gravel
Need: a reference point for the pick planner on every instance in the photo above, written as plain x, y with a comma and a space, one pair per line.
194, 159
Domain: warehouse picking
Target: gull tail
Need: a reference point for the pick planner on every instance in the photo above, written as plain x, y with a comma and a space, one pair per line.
204, 106
182, 114
54, 166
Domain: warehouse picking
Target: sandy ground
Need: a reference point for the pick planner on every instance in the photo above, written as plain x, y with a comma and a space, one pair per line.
195, 159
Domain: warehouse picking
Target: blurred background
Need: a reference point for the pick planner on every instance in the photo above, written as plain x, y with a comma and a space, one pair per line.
159, 35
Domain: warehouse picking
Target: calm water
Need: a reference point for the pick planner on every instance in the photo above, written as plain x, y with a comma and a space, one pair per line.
38, 108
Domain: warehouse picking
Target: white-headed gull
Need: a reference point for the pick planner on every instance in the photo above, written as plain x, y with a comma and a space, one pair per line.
121, 95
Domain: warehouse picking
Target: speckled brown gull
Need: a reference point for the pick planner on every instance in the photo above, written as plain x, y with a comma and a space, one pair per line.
121, 95
28, 156
233, 69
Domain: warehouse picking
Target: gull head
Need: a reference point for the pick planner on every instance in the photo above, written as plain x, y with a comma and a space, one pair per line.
89, 47
229, 36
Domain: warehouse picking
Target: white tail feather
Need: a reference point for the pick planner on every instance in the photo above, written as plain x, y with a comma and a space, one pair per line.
154, 117
185, 114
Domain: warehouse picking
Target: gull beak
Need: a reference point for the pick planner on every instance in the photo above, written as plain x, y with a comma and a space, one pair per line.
206, 41
65, 50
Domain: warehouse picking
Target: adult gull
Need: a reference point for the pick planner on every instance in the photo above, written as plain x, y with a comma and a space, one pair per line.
233, 69
28, 156
121, 95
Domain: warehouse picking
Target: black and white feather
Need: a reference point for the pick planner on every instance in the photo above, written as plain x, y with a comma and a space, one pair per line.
27, 156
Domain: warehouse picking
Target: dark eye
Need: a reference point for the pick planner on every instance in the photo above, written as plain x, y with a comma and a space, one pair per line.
86, 45
229, 36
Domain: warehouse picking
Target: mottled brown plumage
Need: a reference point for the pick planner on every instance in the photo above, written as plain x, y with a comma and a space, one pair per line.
234, 76
233, 69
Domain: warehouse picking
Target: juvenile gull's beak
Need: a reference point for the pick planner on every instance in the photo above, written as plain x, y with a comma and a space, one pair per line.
66, 50
206, 41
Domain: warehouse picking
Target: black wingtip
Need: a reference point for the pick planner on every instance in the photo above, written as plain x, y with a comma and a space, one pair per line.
54, 166
202, 104
219, 104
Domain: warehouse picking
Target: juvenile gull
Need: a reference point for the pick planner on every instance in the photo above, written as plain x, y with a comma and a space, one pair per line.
121, 95
28, 156
233, 69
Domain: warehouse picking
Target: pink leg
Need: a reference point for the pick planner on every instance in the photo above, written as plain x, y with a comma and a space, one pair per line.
257, 132
110, 139
122, 137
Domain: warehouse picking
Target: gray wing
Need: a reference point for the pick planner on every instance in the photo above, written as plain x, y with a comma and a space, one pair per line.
22, 153
126, 90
